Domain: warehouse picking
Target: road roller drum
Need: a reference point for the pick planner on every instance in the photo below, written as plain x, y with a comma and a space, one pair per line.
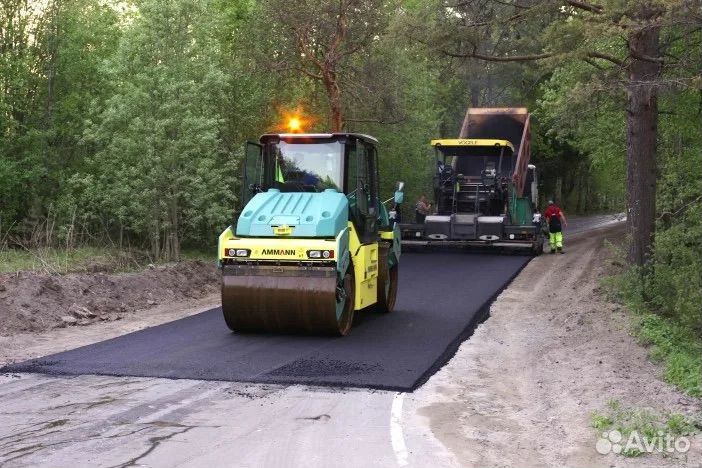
286, 299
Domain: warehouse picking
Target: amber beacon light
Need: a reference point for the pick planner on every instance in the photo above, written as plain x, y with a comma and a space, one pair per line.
295, 125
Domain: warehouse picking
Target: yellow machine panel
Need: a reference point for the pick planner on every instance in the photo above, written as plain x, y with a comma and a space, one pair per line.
387, 235
277, 249
471, 142
365, 266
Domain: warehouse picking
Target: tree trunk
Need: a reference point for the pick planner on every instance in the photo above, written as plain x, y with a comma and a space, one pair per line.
642, 122
489, 97
155, 244
336, 118
52, 63
155, 232
474, 91
174, 227
579, 186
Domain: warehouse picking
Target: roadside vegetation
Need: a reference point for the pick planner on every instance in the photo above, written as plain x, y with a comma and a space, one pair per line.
671, 331
52, 260
122, 122
649, 427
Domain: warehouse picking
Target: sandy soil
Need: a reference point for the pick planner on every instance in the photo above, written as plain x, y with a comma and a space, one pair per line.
522, 390
37, 302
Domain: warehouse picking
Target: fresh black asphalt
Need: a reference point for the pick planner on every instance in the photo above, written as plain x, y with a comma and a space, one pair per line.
441, 298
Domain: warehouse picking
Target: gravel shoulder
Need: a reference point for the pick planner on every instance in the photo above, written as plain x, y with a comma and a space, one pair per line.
522, 390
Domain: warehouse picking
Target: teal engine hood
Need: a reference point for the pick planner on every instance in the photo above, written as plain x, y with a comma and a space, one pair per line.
322, 214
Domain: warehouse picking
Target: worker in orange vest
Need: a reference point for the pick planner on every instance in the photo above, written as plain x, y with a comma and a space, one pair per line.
556, 221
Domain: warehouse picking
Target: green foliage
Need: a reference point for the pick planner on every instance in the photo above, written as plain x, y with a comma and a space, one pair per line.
405, 86
678, 424
648, 424
673, 340
160, 171
49, 68
677, 347
673, 285
54, 261
587, 132
582, 106
63, 260
125, 126
601, 421
667, 294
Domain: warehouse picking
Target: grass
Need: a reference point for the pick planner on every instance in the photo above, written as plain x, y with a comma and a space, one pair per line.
83, 259
53, 260
672, 342
649, 425
676, 346
199, 254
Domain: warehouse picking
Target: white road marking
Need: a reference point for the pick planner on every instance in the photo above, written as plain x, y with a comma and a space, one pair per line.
396, 436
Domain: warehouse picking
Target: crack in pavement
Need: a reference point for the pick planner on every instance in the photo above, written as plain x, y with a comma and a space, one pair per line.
32, 449
102, 401
321, 417
37, 447
46, 425
155, 442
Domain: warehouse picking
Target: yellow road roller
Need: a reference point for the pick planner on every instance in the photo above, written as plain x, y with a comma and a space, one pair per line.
313, 243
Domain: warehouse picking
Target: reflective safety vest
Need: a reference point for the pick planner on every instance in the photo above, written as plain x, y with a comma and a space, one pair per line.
278, 172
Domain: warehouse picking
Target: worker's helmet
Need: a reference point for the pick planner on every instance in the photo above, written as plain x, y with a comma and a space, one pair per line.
550, 202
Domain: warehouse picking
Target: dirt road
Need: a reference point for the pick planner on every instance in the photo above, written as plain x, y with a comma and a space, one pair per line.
520, 392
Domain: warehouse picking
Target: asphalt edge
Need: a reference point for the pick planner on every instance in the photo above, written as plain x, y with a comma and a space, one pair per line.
481, 316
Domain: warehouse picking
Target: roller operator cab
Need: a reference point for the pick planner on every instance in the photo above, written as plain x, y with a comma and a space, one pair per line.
312, 244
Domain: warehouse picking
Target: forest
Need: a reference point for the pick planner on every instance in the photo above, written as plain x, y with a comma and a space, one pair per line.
122, 122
